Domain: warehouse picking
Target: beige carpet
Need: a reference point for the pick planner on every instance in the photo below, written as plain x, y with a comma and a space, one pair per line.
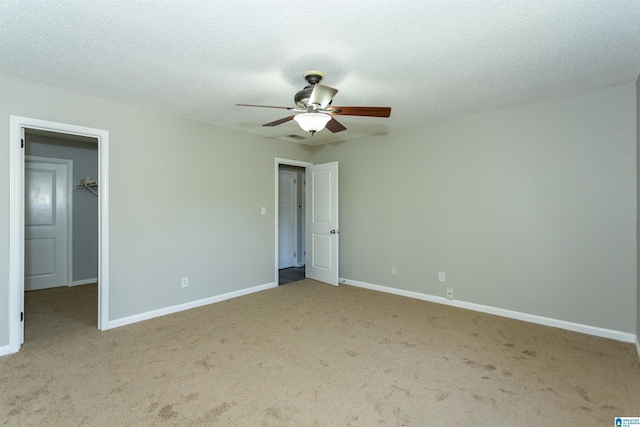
308, 354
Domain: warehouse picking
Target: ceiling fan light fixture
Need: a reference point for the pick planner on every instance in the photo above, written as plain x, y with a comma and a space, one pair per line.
312, 122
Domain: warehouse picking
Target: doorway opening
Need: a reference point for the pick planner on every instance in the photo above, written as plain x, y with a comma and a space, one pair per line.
290, 221
61, 227
321, 220
291, 224
23, 130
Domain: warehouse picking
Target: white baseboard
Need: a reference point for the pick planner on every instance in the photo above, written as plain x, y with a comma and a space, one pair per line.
562, 324
638, 345
84, 282
4, 350
186, 306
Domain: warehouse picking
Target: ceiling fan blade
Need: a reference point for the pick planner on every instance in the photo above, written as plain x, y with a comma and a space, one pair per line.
322, 95
335, 126
361, 111
263, 106
279, 122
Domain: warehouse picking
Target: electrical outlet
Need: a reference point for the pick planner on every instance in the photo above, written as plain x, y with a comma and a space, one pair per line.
393, 271
185, 282
449, 293
441, 276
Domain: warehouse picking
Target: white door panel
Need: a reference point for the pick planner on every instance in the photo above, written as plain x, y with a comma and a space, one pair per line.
322, 192
322, 211
47, 207
322, 251
39, 257
40, 198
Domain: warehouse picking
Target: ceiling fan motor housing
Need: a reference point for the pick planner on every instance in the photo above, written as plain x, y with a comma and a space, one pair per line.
302, 97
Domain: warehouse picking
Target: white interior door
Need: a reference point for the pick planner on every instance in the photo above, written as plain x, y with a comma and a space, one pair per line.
322, 223
287, 219
47, 211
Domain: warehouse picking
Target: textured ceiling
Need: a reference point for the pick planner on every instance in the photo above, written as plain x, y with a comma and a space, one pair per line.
428, 60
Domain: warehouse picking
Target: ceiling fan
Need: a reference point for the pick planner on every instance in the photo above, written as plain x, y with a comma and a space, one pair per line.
313, 110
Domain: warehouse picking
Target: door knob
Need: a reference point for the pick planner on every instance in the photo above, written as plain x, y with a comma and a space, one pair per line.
335, 231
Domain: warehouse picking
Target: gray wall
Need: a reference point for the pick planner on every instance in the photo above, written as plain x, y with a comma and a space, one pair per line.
85, 203
529, 209
178, 205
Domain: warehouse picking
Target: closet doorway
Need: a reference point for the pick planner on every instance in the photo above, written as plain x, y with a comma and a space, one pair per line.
290, 227
82, 153
21, 129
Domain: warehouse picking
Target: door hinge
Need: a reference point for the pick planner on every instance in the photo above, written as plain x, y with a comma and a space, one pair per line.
294, 180
22, 316
294, 254
22, 143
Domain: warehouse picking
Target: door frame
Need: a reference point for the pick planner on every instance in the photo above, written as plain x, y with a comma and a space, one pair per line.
285, 162
69, 185
17, 126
